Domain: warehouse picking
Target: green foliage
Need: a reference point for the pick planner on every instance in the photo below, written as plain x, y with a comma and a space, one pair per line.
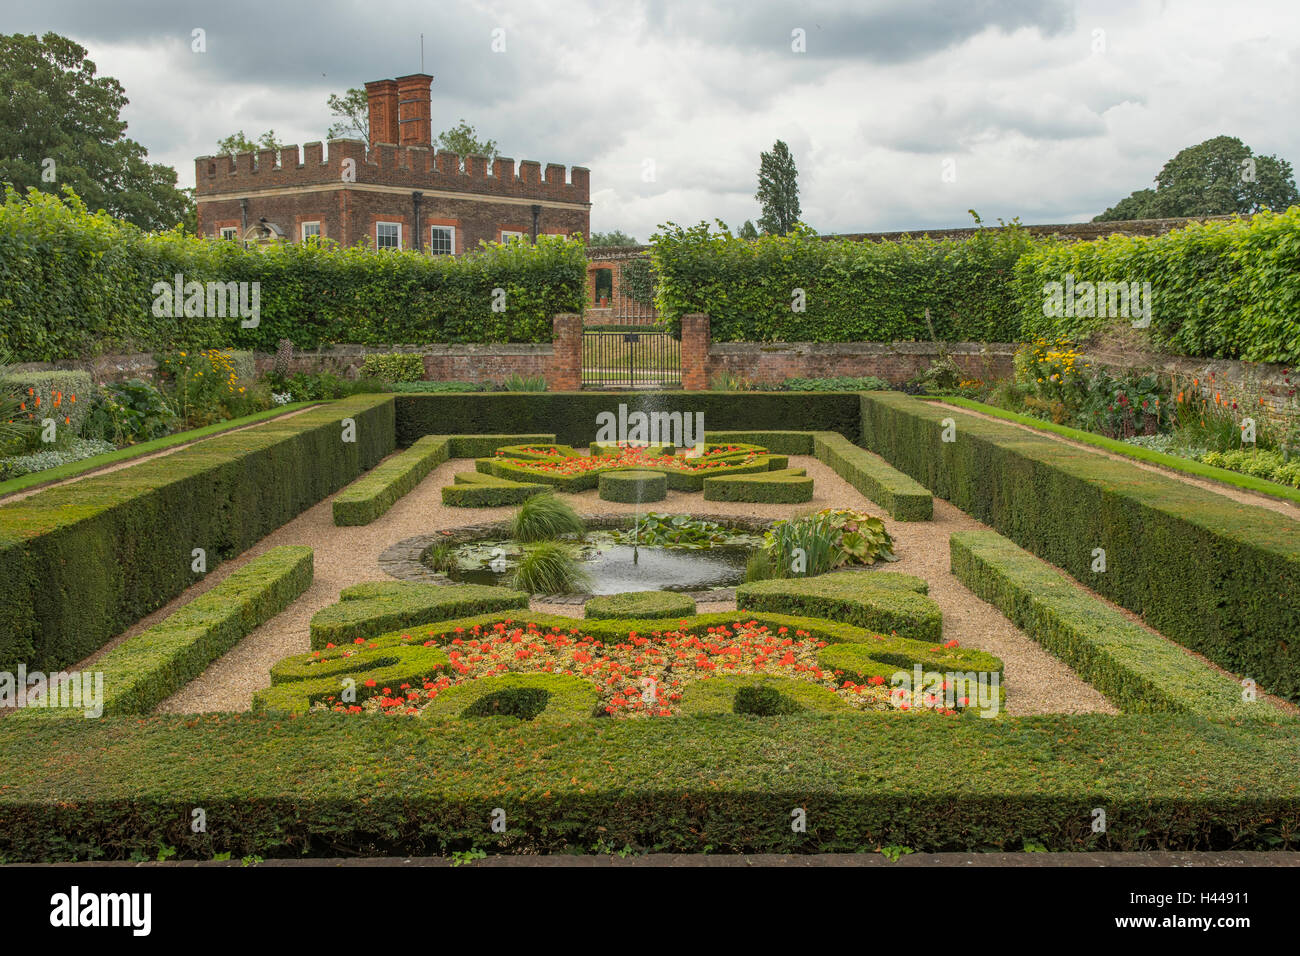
463, 140
1215, 575
394, 367
546, 697
763, 701
880, 601
64, 396
122, 542
778, 191
638, 280
1217, 177
643, 605
129, 412
523, 383
52, 456
1270, 465
525, 703
544, 517
676, 531
80, 285
897, 493
615, 237
56, 108
368, 497
352, 115
840, 383
783, 486
1225, 289
326, 386
237, 142
854, 291
633, 487
367, 610
473, 489
549, 568
430, 386
1137, 670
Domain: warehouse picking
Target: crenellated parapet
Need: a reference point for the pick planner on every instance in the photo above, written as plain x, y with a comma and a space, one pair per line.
411, 167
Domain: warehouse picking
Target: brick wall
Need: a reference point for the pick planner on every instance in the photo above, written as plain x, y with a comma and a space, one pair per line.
565, 371
895, 362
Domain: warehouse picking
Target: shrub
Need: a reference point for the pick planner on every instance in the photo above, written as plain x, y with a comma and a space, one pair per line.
524, 703
367, 610
393, 367
78, 449
524, 383
633, 487
763, 701
64, 396
312, 293
785, 486
369, 497
129, 412
877, 600
640, 605
473, 489
544, 517
897, 493
549, 568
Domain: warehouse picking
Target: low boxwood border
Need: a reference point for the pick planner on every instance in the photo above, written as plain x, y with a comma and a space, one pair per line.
639, 604
571, 698
902, 497
882, 601
367, 610
786, 486
717, 694
371, 496
630, 487
473, 489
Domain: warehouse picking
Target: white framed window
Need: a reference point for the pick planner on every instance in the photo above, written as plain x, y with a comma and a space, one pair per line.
507, 235
310, 230
388, 235
229, 232
442, 240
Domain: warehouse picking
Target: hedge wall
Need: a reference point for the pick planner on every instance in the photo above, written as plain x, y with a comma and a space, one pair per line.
1216, 576
334, 784
82, 561
1226, 289
854, 291
74, 284
571, 416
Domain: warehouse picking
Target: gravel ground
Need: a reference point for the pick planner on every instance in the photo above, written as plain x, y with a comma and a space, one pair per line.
1036, 682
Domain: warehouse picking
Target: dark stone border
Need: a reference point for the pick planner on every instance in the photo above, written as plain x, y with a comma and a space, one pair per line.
402, 560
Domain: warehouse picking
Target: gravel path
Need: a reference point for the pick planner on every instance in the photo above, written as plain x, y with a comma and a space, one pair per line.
1036, 682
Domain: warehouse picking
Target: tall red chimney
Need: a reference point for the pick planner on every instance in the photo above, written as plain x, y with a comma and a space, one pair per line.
415, 123
383, 111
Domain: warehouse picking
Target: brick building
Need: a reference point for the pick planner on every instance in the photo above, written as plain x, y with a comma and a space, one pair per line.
396, 193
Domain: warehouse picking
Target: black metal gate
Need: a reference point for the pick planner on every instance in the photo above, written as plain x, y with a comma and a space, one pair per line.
631, 360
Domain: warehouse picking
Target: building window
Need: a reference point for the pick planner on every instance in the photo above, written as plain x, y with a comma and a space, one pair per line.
229, 232
388, 235
442, 240
310, 230
507, 235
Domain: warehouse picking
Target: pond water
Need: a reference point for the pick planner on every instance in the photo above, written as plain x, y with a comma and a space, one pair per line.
612, 566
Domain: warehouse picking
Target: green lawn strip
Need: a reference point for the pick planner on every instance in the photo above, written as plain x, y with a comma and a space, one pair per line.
904, 498
1218, 576
379, 489
82, 561
144, 670
1174, 462
72, 469
327, 784
1138, 671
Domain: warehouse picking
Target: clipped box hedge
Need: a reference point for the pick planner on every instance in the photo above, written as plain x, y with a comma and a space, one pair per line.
903, 498
1138, 671
564, 698
83, 561
640, 604
1215, 575
571, 416
784, 486
881, 601
777, 442
633, 486
371, 496
473, 489
365, 610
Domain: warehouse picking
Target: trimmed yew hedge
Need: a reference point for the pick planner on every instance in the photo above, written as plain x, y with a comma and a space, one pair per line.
903, 498
366, 610
1217, 576
784, 486
633, 486
881, 601
367, 498
473, 489
83, 561
640, 604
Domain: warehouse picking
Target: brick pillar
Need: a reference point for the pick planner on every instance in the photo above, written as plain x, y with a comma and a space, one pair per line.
565, 372
695, 352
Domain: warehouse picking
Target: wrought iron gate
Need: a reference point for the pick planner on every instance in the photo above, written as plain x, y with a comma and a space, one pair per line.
631, 360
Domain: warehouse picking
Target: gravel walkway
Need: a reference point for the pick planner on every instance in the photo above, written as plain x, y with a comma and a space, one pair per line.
1036, 682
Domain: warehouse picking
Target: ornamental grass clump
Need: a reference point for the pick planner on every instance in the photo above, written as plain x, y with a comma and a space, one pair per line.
545, 517
550, 568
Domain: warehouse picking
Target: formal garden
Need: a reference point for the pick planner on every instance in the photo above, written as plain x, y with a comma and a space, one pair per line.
386, 614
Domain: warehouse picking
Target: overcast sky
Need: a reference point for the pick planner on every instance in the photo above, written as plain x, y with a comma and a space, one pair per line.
1049, 110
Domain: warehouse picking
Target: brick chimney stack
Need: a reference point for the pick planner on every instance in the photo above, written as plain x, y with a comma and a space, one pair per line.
415, 123
383, 111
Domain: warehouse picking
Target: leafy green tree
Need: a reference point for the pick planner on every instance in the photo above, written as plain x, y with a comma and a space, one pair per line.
778, 191
747, 231
1217, 177
61, 125
237, 142
615, 237
352, 111
463, 140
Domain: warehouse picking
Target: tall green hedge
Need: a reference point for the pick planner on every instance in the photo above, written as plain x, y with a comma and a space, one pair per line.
1217, 576
855, 291
74, 284
80, 562
1228, 289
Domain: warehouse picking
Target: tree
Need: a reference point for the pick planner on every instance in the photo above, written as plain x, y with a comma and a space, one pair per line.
615, 237
463, 140
747, 231
353, 112
778, 190
237, 142
1217, 177
61, 125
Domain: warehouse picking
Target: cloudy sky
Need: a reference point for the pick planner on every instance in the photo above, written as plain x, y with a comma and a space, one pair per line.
1048, 110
